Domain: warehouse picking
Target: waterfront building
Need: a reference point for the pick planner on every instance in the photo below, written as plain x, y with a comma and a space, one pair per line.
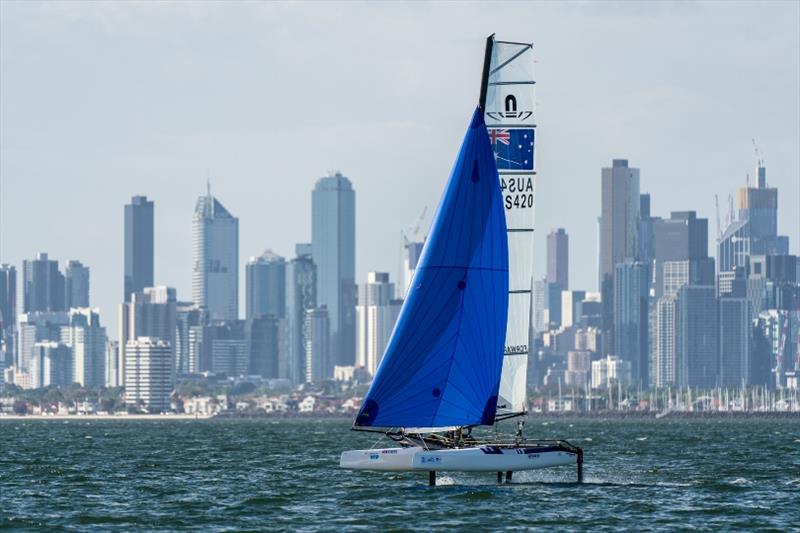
265, 286
43, 285
333, 242
76, 281
215, 265
376, 314
148, 374
316, 335
87, 340
139, 256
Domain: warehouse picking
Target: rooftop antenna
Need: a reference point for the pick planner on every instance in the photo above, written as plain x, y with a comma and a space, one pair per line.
208, 182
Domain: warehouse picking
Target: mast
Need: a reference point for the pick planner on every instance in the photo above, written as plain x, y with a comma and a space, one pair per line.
487, 63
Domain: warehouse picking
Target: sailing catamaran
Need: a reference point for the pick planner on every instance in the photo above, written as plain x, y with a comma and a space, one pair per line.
457, 358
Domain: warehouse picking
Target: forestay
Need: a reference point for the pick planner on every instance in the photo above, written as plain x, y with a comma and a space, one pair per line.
510, 121
442, 365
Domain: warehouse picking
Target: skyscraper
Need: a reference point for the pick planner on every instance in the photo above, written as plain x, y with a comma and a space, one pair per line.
76, 280
8, 313
618, 237
265, 286
630, 317
301, 295
558, 258
316, 335
755, 231
215, 250
264, 344
138, 246
376, 314
87, 339
697, 330
187, 316
734, 342
44, 285
333, 242
682, 237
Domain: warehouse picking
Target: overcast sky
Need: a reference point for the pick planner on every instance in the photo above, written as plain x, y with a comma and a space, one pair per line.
102, 101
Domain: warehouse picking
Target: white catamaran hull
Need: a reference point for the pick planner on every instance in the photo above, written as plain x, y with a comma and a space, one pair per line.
477, 459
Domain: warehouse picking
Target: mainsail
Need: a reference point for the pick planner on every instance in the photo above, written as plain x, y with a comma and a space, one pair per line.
508, 89
442, 365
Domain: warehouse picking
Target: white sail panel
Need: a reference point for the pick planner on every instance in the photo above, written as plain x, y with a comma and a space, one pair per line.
510, 121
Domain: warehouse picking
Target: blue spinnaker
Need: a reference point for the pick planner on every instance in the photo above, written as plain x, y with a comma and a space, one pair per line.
442, 364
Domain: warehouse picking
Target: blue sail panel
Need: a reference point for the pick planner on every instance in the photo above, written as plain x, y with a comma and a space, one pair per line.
443, 361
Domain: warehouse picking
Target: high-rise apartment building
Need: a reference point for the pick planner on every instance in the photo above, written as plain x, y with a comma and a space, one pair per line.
43, 285
301, 295
76, 282
333, 242
148, 374
265, 286
215, 251
51, 364
316, 335
376, 314
87, 340
139, 241
8, 313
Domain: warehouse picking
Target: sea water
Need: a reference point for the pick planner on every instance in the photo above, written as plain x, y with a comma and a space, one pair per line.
271, 475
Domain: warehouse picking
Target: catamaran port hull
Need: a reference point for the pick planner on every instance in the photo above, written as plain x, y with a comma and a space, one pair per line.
474, 459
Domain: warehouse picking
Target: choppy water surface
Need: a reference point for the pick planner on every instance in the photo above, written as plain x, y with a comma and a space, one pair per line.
282, 475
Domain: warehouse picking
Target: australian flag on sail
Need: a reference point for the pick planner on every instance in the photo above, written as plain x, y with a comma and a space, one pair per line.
513, 148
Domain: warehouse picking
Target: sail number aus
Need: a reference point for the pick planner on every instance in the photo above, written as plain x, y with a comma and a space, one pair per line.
517, 191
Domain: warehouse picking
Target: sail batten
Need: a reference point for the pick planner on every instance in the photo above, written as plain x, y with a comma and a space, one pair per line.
442, 365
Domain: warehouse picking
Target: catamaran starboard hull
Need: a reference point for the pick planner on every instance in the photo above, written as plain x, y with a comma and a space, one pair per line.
475, 459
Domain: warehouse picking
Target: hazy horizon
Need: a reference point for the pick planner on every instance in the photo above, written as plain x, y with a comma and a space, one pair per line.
103, 101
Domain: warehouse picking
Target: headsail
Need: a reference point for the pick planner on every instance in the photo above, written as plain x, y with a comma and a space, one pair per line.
443, 361
510, 121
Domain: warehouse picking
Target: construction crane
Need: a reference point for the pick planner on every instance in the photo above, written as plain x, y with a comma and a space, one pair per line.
758, 155
412, 234
719, 227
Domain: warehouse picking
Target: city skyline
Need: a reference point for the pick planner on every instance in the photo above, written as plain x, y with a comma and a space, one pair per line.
745, 93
